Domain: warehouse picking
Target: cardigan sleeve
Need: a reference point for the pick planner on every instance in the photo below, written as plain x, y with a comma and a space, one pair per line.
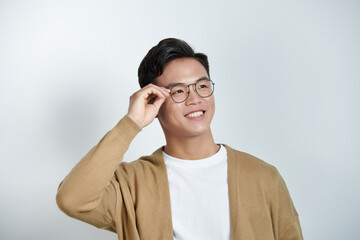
91, 191
285, 217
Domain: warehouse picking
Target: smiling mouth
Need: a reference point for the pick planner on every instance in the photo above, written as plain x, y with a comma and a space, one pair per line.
195, 114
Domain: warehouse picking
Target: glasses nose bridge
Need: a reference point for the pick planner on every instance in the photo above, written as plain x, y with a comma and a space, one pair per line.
188, 88
195, 94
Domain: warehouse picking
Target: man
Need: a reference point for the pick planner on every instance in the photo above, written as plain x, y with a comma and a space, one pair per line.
192, 188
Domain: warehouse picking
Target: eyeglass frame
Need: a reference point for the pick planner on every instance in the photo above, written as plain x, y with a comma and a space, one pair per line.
188, 87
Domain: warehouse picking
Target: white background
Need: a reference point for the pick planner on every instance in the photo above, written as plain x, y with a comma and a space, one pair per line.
287, 89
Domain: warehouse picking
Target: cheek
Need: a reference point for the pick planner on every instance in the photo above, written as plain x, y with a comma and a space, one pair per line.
167, 110
211, 108
164, 108
211, 102
161, 113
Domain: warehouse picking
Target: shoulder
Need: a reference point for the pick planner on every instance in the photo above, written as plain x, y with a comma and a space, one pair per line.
255, 175
145, 166
250, 166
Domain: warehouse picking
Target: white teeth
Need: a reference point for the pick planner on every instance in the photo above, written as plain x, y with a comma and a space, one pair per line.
195, 114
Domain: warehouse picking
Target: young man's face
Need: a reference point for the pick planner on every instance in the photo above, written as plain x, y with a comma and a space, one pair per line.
193, 116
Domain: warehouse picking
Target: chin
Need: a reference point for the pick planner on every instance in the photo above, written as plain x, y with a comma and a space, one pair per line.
194, 131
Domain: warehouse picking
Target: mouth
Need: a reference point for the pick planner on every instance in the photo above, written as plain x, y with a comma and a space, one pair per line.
195, 114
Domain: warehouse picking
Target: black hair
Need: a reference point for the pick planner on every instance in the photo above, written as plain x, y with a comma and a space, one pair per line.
166, 50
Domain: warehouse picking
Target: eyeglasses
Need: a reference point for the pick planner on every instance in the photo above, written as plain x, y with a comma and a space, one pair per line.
180, 92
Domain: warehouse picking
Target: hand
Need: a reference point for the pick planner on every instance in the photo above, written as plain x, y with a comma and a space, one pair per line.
145, 104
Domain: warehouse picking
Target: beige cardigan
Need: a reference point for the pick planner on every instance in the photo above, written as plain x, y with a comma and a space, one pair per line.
133, 200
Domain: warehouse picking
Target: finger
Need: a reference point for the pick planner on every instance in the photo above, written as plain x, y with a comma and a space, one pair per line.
164, 90
151, 98
154, 92
158, 102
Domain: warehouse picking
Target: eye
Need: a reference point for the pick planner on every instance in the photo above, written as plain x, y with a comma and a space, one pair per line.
203, 84
177, 91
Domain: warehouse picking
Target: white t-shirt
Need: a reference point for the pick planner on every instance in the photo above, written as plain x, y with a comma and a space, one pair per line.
199, 197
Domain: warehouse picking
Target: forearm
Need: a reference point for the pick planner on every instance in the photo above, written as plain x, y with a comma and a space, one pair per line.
82, 189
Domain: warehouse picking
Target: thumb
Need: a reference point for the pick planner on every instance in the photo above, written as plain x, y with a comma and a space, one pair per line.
158, 102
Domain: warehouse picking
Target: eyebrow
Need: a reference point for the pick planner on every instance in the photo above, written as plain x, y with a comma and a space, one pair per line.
175, 84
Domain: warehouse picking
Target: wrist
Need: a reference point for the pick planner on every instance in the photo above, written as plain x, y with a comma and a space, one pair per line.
135, 120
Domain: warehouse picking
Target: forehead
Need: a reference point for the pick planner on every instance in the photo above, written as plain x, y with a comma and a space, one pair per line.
181, 70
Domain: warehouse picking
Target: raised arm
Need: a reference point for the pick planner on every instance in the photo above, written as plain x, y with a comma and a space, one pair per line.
90, 191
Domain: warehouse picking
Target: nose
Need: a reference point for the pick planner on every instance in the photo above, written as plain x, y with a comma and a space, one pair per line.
193, 97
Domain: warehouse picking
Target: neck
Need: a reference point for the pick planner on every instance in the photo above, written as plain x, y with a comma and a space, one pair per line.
191, 148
